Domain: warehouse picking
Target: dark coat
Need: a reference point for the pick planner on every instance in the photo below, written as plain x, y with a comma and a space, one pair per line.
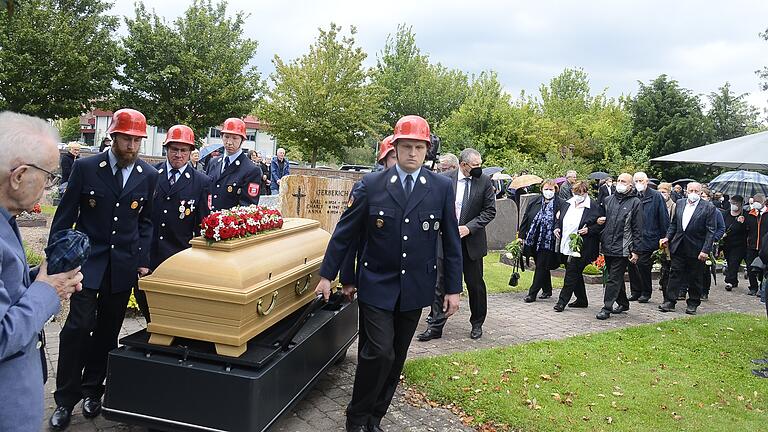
735, 237
534, 207
265, 178
399, 251
655, 220
481, 211
277, 173
66, 162
239, 184
590, 248
757, 228
118, 223
173, 227
698, 235
622, 231
603, 193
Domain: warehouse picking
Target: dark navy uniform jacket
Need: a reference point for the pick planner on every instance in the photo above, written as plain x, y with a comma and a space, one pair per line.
177, 212
398, 240
118, 224
239, 184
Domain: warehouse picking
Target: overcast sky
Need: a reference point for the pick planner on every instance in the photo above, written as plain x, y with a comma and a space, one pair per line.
701, 44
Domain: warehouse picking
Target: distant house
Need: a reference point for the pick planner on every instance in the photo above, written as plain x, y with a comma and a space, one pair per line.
94, 125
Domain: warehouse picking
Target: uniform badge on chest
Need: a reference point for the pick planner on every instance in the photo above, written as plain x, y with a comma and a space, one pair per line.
425, 226
134, 205
92, 202
379, 223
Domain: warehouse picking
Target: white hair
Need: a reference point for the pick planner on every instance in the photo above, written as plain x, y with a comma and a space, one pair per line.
571, 173
640, 176
469, 154
450, 159
20, 139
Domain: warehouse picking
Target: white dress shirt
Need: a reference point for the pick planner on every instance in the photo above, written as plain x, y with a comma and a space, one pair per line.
462, 183
688, 212
571, 222
231, 158
113, 163
168, 168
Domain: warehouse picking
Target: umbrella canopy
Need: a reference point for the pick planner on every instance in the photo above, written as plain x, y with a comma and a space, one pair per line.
560, 180
492, 170
525, 180
683, 182
747, 152
501, 176
744, 183
205, 151
598, 175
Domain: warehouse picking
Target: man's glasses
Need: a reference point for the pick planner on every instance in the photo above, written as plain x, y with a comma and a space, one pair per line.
52, 180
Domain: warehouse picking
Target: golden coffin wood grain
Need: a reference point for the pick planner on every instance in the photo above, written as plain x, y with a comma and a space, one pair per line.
230, 291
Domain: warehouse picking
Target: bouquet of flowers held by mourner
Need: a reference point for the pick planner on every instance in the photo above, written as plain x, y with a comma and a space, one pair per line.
575, 242
240, 222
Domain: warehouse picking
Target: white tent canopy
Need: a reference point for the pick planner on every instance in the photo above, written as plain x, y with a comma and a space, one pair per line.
746, 152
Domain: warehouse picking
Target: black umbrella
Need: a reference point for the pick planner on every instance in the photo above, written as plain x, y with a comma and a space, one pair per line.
683, 182
598, 175
205, 151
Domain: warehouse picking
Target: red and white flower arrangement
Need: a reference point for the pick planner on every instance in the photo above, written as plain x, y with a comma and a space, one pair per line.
240, 222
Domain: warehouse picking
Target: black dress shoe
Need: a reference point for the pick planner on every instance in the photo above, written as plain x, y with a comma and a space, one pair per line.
477, 332
576, 304
91, 407
619, 309
375, 428
643, 299
558, 307
603, 315
681, 297
666, 307
634, 298
752, 293
529, 299
60, 418
690, 310
705, 297
762, 373
545, 295
428, 335
356, 428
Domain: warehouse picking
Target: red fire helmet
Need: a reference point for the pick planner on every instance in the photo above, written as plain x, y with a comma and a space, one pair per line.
128, 121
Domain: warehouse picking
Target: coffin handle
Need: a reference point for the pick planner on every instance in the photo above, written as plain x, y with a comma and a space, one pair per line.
302, 285
260, 305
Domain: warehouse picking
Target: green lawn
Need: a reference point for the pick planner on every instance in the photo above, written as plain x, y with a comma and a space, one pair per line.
496, 276
689, 374
48, 210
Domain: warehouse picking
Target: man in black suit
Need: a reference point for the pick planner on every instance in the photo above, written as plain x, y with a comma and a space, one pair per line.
235, 180
109, 198
689, 239
475, 208
179, 203
606, 189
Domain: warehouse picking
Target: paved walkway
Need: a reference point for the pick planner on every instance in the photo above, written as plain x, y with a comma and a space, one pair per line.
510, 321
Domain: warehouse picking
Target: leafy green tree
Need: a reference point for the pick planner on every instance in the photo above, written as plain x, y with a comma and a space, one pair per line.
731, 115
195, 72
69, 129
56, 56
415, 86
322, 103
667, 119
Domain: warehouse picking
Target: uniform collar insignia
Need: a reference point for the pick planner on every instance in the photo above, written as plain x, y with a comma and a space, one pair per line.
393, 179
103, 164
160, 171
186, 174
422, 180
139, 169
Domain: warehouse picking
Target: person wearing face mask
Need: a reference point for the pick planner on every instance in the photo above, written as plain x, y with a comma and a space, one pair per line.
706, 195
537, 233
734, 241
757, 228
578, 215
655, 224
690, 237
621, 240
605, 190
475, 206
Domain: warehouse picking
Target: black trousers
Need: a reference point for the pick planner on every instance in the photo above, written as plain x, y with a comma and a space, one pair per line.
473, 278
706, 280
640, 283
734, 256
89, 333
436, 311
542, 278
615, 289
755, 276
685, 270
574, 282
141, 300
381, 356
666, 266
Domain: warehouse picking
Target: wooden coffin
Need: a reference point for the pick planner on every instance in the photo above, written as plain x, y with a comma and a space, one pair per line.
230, 291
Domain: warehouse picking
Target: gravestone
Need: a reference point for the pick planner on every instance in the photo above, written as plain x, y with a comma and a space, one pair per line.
524, 201
503, 227
323, 199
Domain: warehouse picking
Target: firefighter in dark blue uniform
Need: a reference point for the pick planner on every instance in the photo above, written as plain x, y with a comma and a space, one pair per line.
109, 198
235, 180
179, 203
409, 206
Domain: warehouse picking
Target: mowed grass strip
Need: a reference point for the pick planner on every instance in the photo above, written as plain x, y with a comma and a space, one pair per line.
496, 276
689, 374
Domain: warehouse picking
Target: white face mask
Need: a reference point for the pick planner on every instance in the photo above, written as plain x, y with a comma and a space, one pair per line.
579, 198
548, 194
757, 206
621, 187
640, 186
693, 197
735, 207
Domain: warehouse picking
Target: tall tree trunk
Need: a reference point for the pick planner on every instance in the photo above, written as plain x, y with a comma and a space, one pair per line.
314, 157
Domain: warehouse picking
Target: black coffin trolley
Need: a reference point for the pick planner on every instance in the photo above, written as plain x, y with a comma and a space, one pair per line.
188, 387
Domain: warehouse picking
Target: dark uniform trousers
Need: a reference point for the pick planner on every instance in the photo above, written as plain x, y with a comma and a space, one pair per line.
640, 283
615, 288
734, 257
688, 271
574, 282
755, 275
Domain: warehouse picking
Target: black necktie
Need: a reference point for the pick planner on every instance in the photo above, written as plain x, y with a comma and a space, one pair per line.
119, 177
172, 179
464, 201
408, 186
226, 163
